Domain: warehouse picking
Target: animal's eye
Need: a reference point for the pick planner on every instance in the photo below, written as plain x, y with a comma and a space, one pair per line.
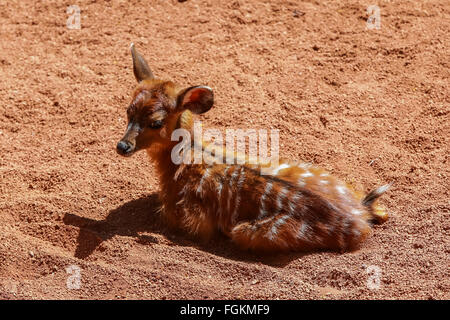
155, 124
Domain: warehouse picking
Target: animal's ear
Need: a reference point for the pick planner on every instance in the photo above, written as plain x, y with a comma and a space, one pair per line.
140, 67
197, 99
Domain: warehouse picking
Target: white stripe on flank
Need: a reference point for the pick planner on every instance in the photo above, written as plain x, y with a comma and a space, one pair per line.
280, 199
233, 177
205, 176
306, 174
274, 230
296, 197
302, 231
356, 212
220, 191
280, 167
301, 182
238, 194
293, 203
220, 185
219, 188
341, 189
262, 211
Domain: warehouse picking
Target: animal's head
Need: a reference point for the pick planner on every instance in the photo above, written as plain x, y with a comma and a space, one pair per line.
158, 108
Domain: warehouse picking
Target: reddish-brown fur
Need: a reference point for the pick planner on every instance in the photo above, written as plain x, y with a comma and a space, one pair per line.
290, 207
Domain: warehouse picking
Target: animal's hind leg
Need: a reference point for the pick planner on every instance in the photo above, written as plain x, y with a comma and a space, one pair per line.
270, 234
285, 233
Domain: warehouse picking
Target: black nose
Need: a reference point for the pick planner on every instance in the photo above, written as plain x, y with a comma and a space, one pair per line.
123, 148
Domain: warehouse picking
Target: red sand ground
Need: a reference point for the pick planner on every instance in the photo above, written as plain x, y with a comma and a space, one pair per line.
371, 106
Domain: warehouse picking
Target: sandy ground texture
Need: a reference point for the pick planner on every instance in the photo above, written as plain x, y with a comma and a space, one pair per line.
371, 106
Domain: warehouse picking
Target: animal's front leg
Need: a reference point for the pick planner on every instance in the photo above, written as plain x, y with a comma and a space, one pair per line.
198, 222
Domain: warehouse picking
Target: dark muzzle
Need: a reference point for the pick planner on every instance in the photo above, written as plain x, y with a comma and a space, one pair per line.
124, 148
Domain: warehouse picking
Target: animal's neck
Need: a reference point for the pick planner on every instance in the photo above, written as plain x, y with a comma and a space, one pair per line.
161, 156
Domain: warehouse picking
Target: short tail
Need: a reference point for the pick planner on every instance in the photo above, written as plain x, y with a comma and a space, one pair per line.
379, 215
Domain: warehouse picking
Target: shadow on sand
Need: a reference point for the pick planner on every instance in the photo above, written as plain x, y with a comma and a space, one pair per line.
140, 216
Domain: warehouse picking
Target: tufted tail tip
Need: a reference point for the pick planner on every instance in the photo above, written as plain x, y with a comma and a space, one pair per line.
379, 215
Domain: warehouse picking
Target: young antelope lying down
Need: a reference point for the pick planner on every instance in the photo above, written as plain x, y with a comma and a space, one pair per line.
290, 207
